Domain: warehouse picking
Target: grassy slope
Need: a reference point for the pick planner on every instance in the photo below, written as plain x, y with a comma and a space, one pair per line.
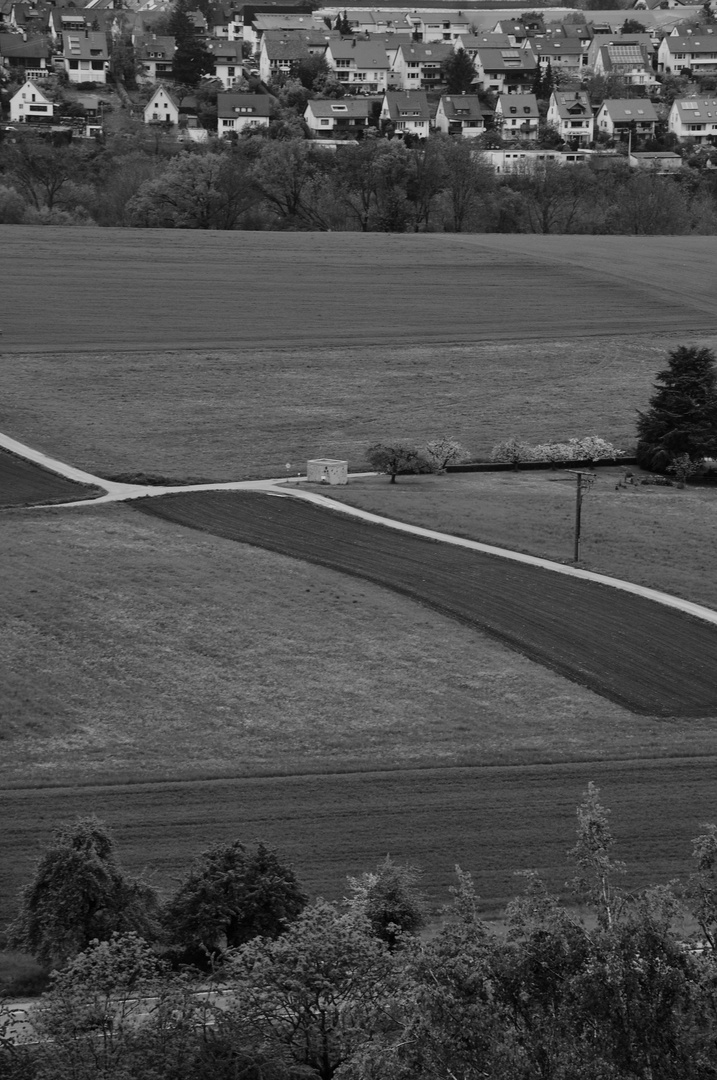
660, 537
168, 653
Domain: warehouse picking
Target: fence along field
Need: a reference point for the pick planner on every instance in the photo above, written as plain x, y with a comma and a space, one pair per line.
223, 356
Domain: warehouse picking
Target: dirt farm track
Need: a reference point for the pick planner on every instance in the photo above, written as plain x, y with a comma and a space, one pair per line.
215, 356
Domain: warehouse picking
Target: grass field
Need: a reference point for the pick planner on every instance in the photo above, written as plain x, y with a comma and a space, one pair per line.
654, 536
22, 483
134, 649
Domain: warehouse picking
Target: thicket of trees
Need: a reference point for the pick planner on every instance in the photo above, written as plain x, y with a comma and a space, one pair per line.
681, 422
620, 987
282, 181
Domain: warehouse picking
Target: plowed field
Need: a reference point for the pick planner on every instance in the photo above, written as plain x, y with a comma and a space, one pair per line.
491, 821
651, 659
22, 483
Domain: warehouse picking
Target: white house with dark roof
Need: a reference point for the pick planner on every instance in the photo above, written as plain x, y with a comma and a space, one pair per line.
32, 57
505, 71
441, 25
694, 118
630, 62
29, 105
85, 57
461, 114
242, 112
228, 62
360, 65
407, 111
695, 52
418, 66
154, 54
517, 117
624, 116
341, 119
162, 107
565, 53
571, 114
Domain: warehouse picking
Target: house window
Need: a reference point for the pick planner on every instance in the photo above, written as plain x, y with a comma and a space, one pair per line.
74, 64
231, 71
325, 123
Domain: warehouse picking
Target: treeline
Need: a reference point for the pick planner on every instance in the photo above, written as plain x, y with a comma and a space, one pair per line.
356, 990
376, 185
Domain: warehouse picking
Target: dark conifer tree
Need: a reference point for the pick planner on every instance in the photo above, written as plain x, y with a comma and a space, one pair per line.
682, 418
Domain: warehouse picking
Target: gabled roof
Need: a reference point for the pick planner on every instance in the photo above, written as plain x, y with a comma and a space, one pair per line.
617, 57
506, 60
285, 48
230, 105
266, 21
517, 105
692, 43
84, 45
426, 52
228, 51
355, 108
463, 107
163, 91
12, 45
365, 54
623, 110
557, 46
30, 86
485, 41
155, 47
571, 104
696, 110
407, 105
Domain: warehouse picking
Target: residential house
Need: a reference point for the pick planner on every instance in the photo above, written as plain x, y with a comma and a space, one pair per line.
242, 112
226, 23
565, 53
471, 43
660, 162
228, 63
570, 113
85, 57
281, 51
30, 58
532, 161
418, 66
622, 118
366, 21
257, 25
154, 54
517, 117
520, 30
29, 105
505, 71
444, 26
162, 107
461, 114
696, 53
343, 119
359, 64
63, 20
618, 40
694, 118
630, 62
407, 111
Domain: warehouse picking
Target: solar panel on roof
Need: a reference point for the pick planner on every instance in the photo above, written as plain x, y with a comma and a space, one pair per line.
507, 54
625, 54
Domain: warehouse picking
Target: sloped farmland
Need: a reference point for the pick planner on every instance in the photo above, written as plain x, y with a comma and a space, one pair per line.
22, 483
651, 659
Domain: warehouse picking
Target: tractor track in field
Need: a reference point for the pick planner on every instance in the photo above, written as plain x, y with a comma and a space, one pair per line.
642, 655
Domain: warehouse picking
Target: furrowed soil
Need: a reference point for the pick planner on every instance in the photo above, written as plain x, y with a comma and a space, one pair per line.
650, 659
22, 483
492, 822
227, 356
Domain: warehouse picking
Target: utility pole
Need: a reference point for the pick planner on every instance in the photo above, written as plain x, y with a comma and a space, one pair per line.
584, 481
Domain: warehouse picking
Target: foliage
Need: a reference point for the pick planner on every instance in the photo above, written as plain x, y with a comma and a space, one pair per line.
458, 72
79, 893
632, 26
317, 991
191, 59
231, 896
445, 451
682, 418
591, 853
396, 459
390, 901
683, 467
196, 191
511, 451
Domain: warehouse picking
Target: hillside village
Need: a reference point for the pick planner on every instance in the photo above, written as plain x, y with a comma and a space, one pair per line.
558, 86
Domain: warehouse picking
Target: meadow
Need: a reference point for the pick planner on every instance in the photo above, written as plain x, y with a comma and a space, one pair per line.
137, 652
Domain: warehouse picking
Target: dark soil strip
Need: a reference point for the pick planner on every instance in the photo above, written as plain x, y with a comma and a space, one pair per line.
651, 659
490, 821
23, 483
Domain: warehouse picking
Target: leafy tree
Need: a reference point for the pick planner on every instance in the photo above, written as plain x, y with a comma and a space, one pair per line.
396, 459
468, 179
701, 889
317, 991
293, 179
682, 418
197, 191
79, 893
596, 868
632, 26
310, 70
231, 896
390, 900
42, 172
444, 452
458, 71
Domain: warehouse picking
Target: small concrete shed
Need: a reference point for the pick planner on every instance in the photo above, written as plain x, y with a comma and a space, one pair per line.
327, 471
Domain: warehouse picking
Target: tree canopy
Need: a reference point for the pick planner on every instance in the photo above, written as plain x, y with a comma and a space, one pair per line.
682, 418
